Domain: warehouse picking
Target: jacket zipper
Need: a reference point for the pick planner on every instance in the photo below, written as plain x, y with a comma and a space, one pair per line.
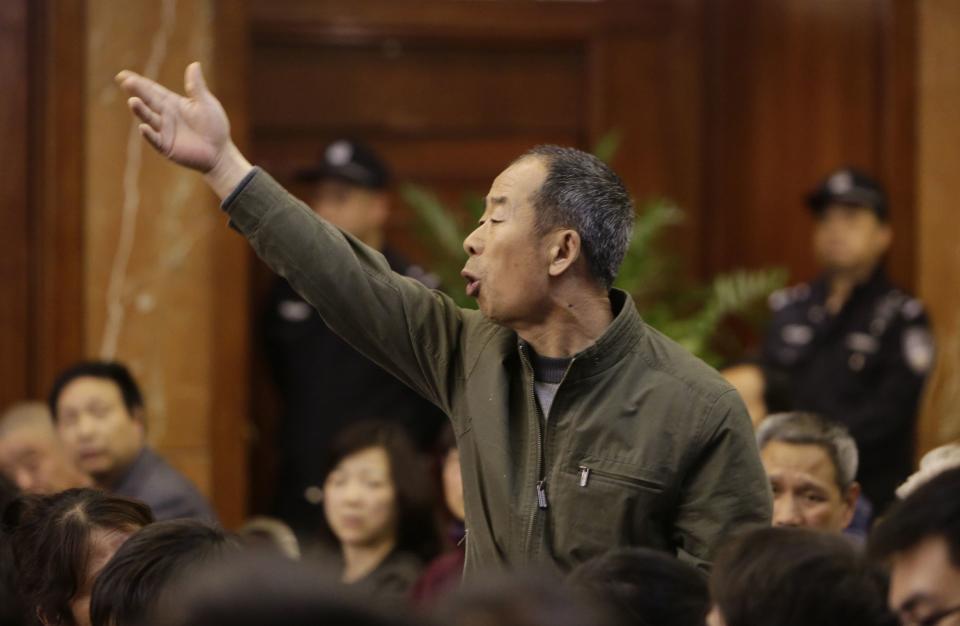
541, 490
541, 487
586, 472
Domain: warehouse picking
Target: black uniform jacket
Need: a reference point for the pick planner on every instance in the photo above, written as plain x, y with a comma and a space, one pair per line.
864, 367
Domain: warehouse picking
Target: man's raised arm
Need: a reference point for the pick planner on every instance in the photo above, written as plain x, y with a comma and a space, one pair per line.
410, 331
191, 130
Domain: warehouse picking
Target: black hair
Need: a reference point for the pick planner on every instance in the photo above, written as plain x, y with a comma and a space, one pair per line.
11, 608
252, 589
644, 587
524, 598
113, 371
50, 536
933, 510
415, 491
128, 586
797, 577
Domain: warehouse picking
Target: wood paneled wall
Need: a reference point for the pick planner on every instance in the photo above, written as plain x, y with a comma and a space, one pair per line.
795, 89
41, 265
938, 189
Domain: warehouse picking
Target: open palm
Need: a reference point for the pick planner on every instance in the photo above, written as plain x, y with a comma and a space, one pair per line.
191, 130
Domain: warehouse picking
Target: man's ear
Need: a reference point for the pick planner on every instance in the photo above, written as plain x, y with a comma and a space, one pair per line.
140, 420
564, 250
850, 501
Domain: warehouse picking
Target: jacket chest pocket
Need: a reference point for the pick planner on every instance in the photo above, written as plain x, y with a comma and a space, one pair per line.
599, 504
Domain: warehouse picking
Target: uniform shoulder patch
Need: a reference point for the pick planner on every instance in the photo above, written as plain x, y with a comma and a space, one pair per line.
911, 309
294, 310
788, 295
918, 349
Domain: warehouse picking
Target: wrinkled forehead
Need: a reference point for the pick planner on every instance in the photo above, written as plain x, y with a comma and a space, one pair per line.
809, 460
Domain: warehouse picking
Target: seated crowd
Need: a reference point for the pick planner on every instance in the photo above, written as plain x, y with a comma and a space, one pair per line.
97, 529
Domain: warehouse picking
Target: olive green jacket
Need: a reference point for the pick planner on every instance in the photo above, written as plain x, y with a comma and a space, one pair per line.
645, 444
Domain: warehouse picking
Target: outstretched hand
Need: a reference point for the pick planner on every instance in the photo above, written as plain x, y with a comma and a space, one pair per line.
191, 130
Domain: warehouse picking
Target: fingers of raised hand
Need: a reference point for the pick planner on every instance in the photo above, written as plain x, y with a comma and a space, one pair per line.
153, 138
145, 113
194, 82
152, 93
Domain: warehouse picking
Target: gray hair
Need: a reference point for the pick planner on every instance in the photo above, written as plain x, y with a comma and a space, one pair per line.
811, 429
582, 192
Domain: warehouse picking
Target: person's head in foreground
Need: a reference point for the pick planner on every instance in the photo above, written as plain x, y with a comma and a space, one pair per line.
555, 229
795, 577
378, 498
259, 589
643, 587
31, 453
98, 410
61, 542
155, 557
349, 189
532, 598
853, 231
270, 534
933, 463
812, 464
919, 539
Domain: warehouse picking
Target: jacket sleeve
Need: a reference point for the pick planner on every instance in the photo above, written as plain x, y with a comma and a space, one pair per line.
726, 488
409, 330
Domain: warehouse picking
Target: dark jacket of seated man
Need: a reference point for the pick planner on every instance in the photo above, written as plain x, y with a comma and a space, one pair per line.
168, 492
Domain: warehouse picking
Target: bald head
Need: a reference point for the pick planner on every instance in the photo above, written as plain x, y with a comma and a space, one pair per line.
31, 454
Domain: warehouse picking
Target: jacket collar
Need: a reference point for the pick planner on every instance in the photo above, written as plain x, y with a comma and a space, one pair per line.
613, 345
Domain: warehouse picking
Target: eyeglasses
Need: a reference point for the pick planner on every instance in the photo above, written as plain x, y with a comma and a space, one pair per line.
933, 619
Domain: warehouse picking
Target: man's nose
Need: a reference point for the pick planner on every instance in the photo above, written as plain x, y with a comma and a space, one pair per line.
473, 244
786, 512
85, 426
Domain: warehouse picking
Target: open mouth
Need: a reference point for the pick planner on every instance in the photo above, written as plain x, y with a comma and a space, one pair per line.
473, 284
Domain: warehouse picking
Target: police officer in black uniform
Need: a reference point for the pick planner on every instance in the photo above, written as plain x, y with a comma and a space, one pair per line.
854, 347
323, 382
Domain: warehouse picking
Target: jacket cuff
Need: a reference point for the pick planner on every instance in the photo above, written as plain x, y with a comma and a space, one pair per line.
251, 200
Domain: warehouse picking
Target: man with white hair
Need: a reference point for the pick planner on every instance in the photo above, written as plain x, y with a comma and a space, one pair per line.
31, 454
811, 463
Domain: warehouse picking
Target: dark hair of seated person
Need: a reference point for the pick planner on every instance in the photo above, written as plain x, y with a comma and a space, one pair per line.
520, 598
797, 577
11, 609
115, 372
933, 510
257, 588
129, 585
415, 492
644, 587
52, 547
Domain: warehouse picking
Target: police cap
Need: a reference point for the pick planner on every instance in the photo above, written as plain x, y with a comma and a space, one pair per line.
351, 162
850, 187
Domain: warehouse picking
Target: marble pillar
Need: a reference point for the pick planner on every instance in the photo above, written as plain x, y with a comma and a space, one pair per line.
938, 245
154, 240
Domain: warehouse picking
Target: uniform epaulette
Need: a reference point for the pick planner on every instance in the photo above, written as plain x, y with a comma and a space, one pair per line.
788, 295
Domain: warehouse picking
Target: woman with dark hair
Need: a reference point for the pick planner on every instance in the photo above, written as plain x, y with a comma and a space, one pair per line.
60, 542
378, 508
